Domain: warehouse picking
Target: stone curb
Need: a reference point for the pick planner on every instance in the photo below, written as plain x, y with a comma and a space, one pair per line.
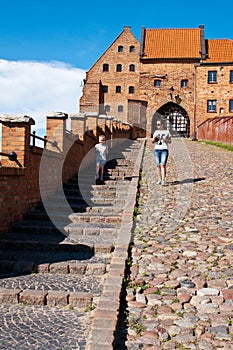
106, 314
42, 298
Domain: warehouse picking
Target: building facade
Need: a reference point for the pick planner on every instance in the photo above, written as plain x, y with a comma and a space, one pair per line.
172, 74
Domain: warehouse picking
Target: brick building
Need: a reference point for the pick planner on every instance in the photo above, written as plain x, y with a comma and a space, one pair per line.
173, 74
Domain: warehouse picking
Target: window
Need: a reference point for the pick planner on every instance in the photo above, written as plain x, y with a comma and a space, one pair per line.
184, 83
211, 106
212, 77
104, 88
107, 108
105, 67
231, 106
119, 68
231, 76
118, 89
131, 67
157, 83
132, 48
120, 108
131, 89
120, 48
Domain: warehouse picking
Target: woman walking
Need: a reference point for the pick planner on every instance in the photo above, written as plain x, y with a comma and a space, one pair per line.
161, 138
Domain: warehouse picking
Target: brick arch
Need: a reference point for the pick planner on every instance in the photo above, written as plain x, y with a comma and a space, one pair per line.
175, 117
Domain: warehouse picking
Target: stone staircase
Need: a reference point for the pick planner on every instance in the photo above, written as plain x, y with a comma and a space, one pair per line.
60, 253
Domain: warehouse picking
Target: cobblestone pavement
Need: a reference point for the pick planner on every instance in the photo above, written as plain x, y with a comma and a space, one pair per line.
180, 289
40, 328
57, 294
180, 286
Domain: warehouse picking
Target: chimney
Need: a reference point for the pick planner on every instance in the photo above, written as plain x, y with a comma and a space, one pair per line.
202, 38
142, 42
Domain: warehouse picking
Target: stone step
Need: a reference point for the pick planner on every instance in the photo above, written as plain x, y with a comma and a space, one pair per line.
61, 212
12, 268
80, 243
66, 263
96, 218
40, 226
22, 243
92, 229
57, 209
52, 298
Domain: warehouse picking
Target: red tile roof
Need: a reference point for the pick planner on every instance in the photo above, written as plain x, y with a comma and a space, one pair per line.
220, 50
172, 43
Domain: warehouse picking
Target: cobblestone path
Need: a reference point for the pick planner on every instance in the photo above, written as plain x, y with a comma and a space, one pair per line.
180, 284
180, 290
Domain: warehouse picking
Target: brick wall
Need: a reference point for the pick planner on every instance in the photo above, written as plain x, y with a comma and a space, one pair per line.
112, 78
217, 129
220, 91
39, 171
190, 100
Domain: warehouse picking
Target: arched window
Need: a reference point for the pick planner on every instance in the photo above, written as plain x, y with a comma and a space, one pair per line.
107, 108
131, 67
120, 48
120, 108
119, 68
105, 67
131, 89
132, 48
118, 89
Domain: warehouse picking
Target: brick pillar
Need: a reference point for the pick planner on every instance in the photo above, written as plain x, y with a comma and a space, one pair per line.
16, 130
78, 124
56, 130
91, 121
101, 121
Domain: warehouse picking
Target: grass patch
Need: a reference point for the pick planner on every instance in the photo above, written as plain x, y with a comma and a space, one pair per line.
138, 327
219, 144
89, 308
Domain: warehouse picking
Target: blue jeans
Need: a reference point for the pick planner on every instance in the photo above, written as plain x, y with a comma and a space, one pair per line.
161, 156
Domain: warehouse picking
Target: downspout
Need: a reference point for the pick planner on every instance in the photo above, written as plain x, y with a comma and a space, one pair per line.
194, 104
203, 57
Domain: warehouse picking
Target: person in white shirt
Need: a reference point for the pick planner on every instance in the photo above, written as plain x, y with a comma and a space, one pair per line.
161, 138
101, 149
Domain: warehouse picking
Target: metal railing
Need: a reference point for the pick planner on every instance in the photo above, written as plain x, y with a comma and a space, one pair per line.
35, 137
44, 139
11, 156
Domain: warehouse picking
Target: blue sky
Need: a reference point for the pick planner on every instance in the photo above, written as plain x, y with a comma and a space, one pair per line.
46, 46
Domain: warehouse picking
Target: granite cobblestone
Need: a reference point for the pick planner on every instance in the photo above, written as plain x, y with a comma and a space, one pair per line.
180, 282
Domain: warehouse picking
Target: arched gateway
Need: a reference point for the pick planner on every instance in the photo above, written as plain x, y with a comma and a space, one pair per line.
175, 118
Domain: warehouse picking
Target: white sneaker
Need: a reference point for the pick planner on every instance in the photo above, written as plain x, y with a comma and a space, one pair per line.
163, 183
158, 182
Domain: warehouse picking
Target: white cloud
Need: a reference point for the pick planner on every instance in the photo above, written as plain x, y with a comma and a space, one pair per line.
34, 88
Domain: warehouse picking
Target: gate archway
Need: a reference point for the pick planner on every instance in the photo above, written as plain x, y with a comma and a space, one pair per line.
174, 117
